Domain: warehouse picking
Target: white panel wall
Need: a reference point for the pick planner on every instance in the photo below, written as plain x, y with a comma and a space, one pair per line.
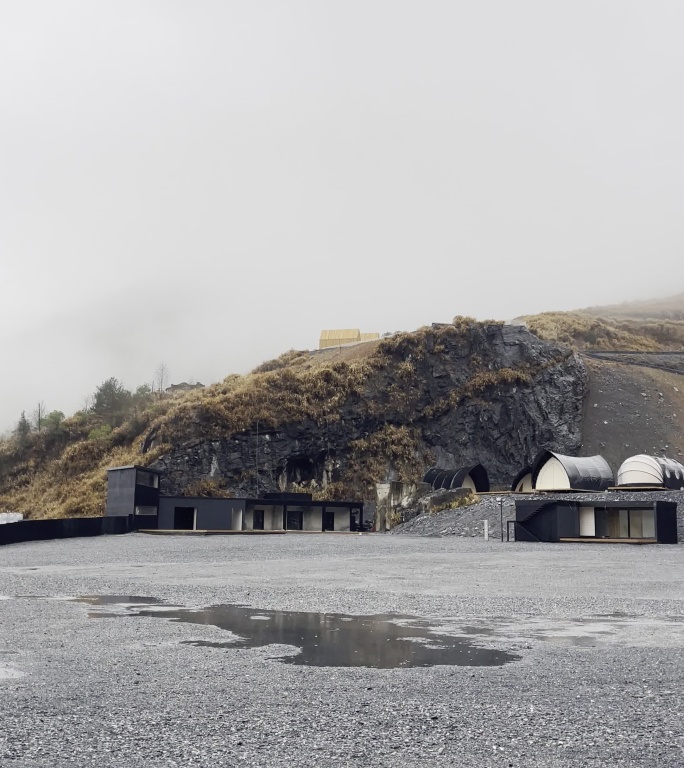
468, 483
11, 517
587, 521
525, 485
552, 476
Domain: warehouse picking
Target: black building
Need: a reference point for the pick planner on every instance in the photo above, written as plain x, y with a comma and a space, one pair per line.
645, 522
134, 491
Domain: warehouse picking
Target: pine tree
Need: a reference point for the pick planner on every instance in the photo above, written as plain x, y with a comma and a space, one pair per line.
22, 430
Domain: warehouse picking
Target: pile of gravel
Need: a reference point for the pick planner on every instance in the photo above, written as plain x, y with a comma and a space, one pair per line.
469, 521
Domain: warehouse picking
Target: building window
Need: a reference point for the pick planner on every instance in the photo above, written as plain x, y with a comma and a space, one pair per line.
146, 511
150, 479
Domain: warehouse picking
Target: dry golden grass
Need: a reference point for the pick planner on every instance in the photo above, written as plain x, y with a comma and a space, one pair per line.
380, 382
66, 487
585, 331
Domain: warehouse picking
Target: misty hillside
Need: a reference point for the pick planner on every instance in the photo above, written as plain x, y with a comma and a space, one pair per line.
669, 308
335, 421
648, 326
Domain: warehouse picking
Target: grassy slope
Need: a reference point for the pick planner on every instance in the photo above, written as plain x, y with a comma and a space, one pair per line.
648, 326
66, 477
380, 379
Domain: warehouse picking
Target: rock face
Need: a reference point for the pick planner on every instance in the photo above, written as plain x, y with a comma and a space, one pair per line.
449, 395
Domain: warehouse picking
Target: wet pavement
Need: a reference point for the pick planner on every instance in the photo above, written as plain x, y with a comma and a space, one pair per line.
322, 639
208, 653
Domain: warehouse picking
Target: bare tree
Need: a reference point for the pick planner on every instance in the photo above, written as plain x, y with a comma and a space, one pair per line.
39, 415
161, 378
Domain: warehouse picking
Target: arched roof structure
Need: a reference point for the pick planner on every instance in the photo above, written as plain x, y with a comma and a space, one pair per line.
474, 477
651, 470
523, 481
554, 472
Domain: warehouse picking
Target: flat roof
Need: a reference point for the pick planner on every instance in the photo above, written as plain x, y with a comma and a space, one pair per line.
267, 502
136, 466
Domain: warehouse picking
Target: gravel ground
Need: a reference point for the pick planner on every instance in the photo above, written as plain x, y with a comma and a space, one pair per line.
598, 630
469, 521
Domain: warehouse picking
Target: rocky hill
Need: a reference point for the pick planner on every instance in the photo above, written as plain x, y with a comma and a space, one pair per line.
333, 423
450, 394
336, 421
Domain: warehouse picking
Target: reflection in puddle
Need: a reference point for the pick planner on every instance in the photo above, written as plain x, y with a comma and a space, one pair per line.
116, 600
328, 639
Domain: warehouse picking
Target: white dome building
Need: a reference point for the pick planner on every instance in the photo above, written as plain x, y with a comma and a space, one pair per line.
643, 470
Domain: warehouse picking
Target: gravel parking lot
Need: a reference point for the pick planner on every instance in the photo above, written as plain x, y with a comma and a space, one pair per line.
596, 632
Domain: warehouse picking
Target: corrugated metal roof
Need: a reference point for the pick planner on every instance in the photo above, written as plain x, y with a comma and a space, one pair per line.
585, 473
454, 478
369, 336
349, 334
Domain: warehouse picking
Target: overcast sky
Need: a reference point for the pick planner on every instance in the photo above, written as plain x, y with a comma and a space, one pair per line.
212, 182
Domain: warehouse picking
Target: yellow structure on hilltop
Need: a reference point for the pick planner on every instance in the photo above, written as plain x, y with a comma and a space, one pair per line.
339, 336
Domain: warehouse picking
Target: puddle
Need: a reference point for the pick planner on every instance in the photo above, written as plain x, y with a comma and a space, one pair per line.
115, 600
326, 639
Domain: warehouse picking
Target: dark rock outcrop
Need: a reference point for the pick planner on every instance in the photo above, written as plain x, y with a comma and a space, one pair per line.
448, 395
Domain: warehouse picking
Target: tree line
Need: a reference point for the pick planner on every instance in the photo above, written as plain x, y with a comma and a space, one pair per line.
106, 409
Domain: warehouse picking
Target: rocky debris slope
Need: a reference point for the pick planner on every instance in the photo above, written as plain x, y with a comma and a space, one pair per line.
631, 409
664, 361
449, 395
469, 521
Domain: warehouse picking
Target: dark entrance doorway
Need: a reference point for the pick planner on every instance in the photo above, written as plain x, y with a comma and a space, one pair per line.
328, 520
258, 520
184, 518
293, 520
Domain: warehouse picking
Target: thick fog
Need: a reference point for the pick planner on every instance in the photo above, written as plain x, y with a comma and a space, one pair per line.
210, 183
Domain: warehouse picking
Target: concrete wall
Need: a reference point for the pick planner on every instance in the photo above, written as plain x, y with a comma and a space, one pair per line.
211, 514
342, 519
273, 517
313, 519
388, 497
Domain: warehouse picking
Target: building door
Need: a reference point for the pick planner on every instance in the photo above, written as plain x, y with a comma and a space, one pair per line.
293, 520
328, 520
184, 518
258, 520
